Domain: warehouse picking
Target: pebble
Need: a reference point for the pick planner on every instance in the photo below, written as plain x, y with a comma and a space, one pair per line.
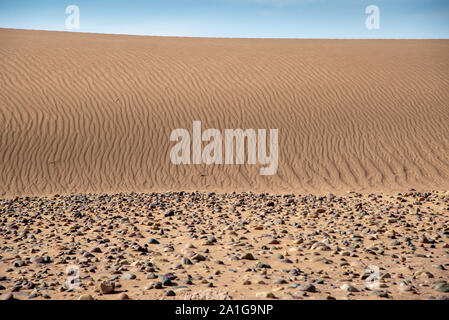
348, 288
170, 293
333, 239
129, 276
107, 287
442, 287
7, 296
380, 293
307, 288
248, 256
266, 295
123, 296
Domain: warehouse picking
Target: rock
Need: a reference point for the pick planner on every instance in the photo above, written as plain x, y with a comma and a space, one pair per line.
186, 261
153, 241
261, 265
391, 234
280, 281
107, 287
123, 296
169, 213
129, 276
248, 256
423, 275
154, 285
405, 287
198, 257
312, 215
348, 288
380, 293
18, 263
307, 288
385, 276
319, 246
39, 259
170, 293
442, 287
7, 296
85, 297
166, 281
265, 295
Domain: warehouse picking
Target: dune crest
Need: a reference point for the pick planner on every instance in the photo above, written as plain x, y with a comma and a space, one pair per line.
93, 113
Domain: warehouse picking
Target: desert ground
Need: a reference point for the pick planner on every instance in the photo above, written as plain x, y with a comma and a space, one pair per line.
86, 180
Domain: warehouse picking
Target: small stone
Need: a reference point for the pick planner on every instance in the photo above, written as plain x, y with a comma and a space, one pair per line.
154, 285
129, 276
107, 287
199, 257
248, 256
123, 296
380, 293
7, 296
266, 295
442, 287
153, 241
166, 281
262, 265
170, 293
307, 288
348, 288
169, 213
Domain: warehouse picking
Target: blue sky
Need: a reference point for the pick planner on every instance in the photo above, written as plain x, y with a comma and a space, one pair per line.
236, 18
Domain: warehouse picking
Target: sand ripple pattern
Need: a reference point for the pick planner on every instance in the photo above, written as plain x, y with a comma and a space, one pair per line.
93, 113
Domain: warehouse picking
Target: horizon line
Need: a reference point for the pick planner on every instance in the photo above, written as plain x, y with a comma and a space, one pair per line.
212, 37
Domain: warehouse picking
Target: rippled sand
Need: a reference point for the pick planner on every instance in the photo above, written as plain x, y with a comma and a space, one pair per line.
93, 113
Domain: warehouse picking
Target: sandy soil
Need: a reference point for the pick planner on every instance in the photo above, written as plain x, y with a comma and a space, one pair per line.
226, 246
93, 113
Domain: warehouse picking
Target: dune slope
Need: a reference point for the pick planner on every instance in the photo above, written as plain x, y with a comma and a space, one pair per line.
93, 113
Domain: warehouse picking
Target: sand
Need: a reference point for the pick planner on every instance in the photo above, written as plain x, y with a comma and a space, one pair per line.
93, 113
86, 178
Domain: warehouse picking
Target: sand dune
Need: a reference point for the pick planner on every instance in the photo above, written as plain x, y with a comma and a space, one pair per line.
94, 113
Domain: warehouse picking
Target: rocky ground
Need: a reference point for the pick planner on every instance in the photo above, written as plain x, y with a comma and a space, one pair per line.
225, 246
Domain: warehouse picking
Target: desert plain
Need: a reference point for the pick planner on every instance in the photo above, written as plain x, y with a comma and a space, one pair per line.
91, 207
